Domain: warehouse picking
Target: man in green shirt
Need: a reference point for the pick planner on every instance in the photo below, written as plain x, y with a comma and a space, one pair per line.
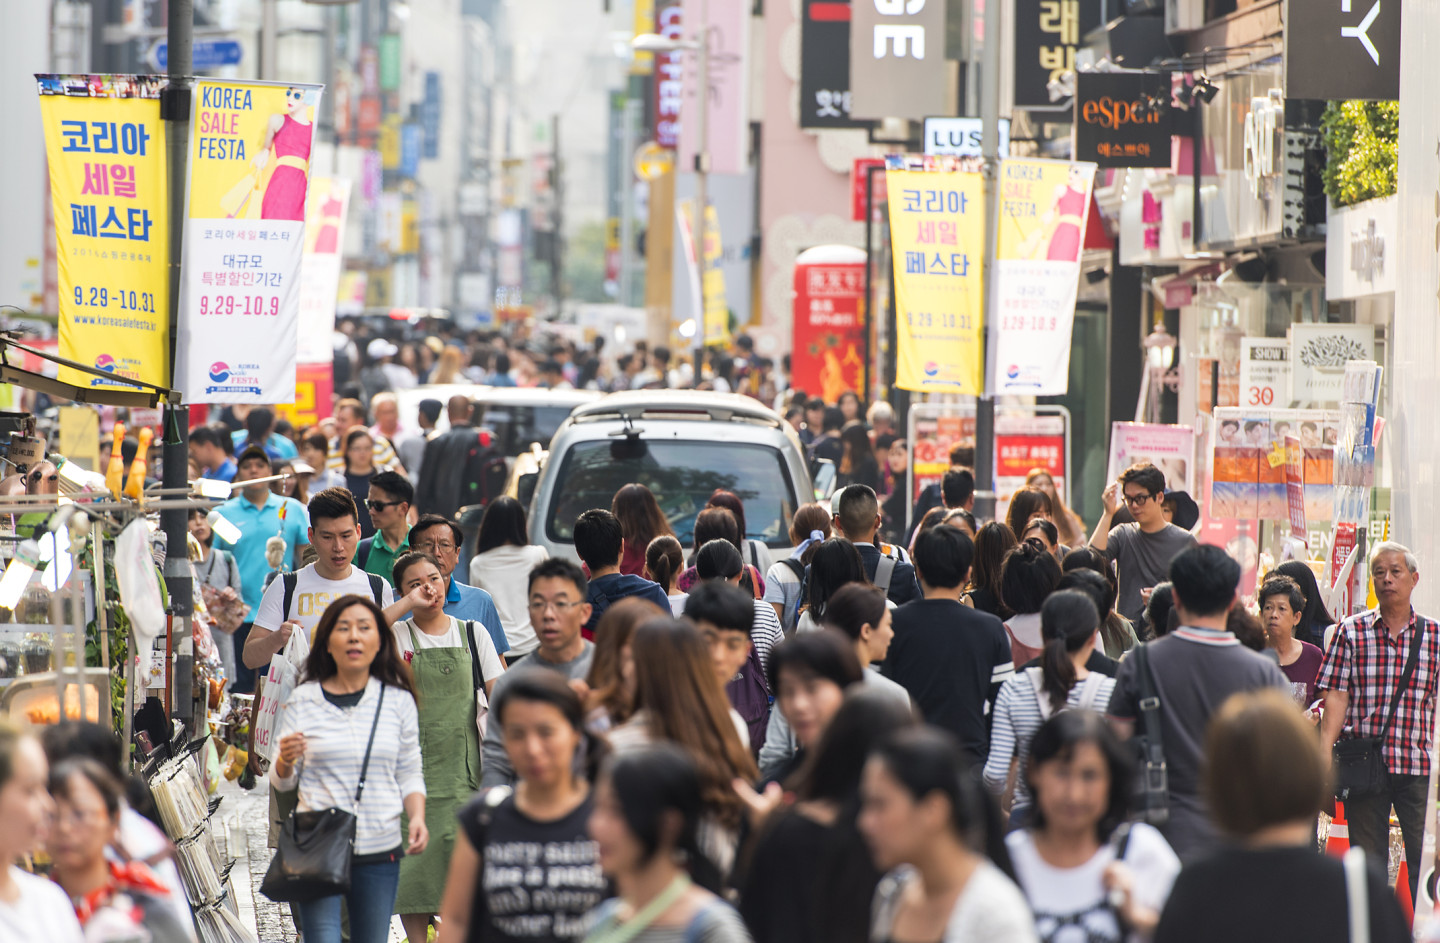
389, 500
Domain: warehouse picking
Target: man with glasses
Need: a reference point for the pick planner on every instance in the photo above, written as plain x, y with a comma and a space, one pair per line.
388, 500
558, 608
1141, 551
441, 539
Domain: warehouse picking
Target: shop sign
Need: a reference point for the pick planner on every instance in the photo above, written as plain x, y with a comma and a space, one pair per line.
829, 321
728, 127
1122, 119
825, 65
1169, 448
1343, 49
962, 137
1047, 33
1358, 242
1157, 218
1264, 123
897, 59
669, 77
1023, 443
1318, 357
1264, 371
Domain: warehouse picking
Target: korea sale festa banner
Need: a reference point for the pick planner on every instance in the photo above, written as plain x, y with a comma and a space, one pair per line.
1044, 206
326, 203
105, 144
244, 238
937, 234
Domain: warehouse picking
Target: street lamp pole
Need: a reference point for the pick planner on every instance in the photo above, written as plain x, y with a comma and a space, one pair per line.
702, 172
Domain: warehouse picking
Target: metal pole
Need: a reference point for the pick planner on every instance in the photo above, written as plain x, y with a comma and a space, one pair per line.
269, 28
866, 312
702, 171
990, 146
557, 192
627, 198
175, 109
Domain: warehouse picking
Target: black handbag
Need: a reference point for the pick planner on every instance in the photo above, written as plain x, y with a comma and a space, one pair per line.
312, 857
1359, 762
1150, 798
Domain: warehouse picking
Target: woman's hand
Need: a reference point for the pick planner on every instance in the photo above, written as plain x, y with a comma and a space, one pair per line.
261, 158
418, 838
1119, 883
759, 805
421, 597
292, 748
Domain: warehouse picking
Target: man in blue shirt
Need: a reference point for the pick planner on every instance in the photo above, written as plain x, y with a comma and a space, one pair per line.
600, 542
212, 449
259, 514
260, 430
441, 539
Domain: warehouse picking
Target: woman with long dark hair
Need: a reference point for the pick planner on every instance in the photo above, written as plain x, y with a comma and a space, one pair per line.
930, 823
1026, 504
1028, 577
543, 726
664, 562
754, 552
857, 463
1316, 618
641, 521
1072, 529
1069, 622
611, 682
992, 542
501, 566
809, 528
810, 877
648, 824
836, 563
1081, 865
354, 682
360, 469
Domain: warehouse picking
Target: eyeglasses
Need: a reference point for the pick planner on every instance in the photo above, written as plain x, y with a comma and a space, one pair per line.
1137, 500
1037, 543
562, 606
381, 505
435, 546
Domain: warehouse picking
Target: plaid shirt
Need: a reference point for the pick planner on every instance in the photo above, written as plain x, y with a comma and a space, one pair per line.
1365, 662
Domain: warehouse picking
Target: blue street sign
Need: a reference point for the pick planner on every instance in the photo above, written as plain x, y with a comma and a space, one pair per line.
209, 53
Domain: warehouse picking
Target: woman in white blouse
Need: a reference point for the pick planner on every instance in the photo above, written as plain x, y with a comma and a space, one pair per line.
31, 907
501, 566
355, 682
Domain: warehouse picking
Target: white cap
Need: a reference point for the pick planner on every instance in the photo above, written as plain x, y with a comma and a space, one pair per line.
380, 347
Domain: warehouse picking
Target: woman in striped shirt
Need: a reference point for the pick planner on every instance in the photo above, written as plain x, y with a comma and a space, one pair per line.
355, 682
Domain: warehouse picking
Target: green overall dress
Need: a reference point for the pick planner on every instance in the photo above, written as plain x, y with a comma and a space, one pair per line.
450, 750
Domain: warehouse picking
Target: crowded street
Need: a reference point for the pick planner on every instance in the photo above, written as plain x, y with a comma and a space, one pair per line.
719, 471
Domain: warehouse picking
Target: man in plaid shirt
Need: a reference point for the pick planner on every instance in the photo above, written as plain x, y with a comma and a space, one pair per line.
1358, 679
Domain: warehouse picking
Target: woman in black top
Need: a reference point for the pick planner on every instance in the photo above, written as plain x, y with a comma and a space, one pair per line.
539, 826
359, 470
809, 877
992, 543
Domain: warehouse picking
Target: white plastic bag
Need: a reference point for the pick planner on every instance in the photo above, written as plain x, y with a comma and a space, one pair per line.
139, 586
284, 674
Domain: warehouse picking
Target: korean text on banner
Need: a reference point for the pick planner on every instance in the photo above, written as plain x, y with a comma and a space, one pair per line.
106, 148
1044, 206
937, 233
240, 301
326, 202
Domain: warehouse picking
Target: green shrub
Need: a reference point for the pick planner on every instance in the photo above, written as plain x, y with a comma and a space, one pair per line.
1362, 138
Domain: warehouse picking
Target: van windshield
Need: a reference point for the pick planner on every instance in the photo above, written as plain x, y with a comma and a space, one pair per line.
682, 474
515, 427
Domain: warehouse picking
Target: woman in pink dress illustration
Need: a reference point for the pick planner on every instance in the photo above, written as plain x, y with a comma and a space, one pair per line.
1064, 222
288, 137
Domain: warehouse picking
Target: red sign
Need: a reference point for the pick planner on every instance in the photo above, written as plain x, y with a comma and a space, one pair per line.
1295, 486
314, 394
669, 78
829, 341
1016, 455
879, 195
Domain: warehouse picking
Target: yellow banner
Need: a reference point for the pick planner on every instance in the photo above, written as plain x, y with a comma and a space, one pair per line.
717, 309
106, 147
937, 234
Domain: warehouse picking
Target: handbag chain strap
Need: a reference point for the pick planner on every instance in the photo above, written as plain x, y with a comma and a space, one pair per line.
1405, 676
365, 766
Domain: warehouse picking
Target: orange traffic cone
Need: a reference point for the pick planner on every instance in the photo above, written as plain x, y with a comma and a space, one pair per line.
1402, 893
1339, 840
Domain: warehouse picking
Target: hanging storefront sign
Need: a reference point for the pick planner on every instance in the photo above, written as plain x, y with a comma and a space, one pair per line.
1264, 372
825, 65
1318, 355
1169, 448
829, 321
1044, 207
1047, 33
962, 137
1025, 443
1343, 49
897, 59
326, 203
106, 147
240, 295
937, 234
1360, 242
728, 128
1122, 119
1157, 217
669, 76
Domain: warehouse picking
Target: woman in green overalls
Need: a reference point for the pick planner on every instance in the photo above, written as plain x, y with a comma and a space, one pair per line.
453, 662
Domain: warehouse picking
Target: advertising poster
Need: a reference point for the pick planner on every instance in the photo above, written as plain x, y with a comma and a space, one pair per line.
1295, 485
829, 325
1024, 443
314, 395
240, 303
106, 148
326, 203
1318, 354
1251, 476
1169, 448
933, 439
937, 234
1044, 205
1264, 371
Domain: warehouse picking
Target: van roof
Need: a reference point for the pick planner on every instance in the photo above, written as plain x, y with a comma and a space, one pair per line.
677, 404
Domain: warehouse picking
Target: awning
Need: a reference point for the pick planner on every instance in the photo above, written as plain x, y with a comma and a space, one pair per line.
144, 395
1177, 291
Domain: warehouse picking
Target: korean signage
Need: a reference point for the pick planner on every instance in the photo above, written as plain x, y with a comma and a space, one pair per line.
1264, 372
860, 178
962, 137
669, 77
1318, 356
937, 234
829, 321
728, 127
1343, 49
240, 301
1122, 119
1022, 444
1047, 33
1360, 244
897, 59
326, 202
106, 148
1044, 207
1295, 485
932, 437
314, 395
825, 65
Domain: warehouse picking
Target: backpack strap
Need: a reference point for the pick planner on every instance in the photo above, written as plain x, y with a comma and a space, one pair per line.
1042, 700
1090, 690
377, 588
474, 647
883, 572
362, 552
287, 583
794, 566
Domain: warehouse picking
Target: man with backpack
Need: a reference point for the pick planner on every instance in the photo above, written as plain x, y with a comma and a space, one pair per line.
857, 515
725, 616
461, 467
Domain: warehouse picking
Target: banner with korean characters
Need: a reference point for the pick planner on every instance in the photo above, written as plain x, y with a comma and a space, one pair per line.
937, 234
326, 203
105, 144
1044, 207
1024, 444
240, 292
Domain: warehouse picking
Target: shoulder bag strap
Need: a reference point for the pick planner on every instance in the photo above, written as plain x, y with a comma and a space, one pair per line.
474, 647
1405, 675
1149, 702
365, 766
377, 588
287, 583
1357, 894
884, 570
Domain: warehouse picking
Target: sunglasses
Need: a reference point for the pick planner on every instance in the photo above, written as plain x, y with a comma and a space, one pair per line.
296, 94
381, 505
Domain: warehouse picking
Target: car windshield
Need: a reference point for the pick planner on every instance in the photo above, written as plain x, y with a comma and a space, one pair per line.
682, 474
518, 426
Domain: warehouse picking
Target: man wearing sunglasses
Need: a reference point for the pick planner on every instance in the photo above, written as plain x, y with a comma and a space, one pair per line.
1141, 551
388, 501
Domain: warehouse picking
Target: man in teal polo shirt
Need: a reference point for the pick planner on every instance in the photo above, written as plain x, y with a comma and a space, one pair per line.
389, 500
259, 514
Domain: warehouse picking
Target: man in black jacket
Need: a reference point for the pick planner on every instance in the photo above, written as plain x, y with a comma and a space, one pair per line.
458, 465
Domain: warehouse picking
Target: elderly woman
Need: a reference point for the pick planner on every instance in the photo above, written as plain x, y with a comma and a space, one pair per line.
1282, 605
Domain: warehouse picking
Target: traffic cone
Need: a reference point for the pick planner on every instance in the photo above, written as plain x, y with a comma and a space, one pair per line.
1402, 893
1338, 841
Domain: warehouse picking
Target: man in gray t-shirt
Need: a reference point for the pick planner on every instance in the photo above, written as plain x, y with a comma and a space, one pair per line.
1141, 551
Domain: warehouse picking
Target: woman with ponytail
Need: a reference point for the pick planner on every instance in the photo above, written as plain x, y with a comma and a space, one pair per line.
925, 815
1069, 622
664, 562
785, 579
